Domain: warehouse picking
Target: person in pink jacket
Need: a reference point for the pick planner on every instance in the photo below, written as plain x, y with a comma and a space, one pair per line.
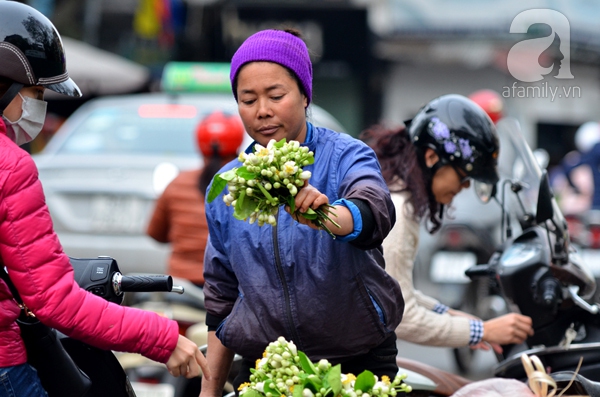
32, 59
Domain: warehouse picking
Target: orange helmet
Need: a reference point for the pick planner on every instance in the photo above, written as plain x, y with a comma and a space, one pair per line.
220, 131
491, 102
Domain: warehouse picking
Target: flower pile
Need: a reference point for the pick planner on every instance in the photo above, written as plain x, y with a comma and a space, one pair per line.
286, 372
270, 177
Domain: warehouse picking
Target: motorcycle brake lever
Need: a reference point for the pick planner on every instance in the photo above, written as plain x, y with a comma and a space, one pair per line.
579, 301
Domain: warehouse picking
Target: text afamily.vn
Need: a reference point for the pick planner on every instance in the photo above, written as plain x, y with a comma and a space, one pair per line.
544, 90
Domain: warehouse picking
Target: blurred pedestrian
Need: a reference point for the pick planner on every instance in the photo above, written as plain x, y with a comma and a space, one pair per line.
330, 296
449, 142
580, 170
178, 216
491, 102
32, 59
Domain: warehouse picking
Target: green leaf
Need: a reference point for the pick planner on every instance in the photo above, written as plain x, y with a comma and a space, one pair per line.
268, 388
309, 214
298, 389
279, 144
310, 159
218, 184
244, 207
314, 381
365, 381
306, 364
252, 393
229, 175
292, 203
334, 379
244, 173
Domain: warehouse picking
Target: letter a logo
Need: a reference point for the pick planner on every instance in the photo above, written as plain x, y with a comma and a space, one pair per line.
523, 58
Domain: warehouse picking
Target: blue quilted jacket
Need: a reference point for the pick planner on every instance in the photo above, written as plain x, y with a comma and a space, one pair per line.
333, 299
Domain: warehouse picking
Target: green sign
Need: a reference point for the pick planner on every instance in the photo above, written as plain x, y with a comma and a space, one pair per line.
196, 77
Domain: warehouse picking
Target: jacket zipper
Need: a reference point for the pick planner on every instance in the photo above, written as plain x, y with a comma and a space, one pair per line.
286, 291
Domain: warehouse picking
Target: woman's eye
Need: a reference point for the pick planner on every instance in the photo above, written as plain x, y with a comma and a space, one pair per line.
248, 102
277, 97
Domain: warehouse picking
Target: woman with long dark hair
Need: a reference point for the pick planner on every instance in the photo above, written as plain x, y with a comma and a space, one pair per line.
450, 141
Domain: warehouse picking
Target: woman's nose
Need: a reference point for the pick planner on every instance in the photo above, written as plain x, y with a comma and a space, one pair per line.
264, 110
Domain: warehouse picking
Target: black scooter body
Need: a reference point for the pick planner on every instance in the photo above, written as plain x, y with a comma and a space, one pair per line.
101, 276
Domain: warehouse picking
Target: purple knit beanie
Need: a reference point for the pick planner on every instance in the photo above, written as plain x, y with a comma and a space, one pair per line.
279, 47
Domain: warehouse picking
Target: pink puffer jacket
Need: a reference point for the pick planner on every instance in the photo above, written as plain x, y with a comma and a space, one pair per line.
43, 276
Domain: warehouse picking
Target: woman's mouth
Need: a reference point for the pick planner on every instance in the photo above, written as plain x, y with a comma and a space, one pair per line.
268, 130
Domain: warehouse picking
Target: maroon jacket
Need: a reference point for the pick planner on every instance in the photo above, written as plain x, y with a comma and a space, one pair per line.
43, 276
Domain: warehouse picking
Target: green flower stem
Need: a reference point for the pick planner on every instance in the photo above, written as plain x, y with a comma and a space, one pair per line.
319, 217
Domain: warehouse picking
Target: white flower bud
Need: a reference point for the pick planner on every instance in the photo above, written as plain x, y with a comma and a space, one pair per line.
323, 365
271, 220
249, 191
305, 175
307, 393
292, 348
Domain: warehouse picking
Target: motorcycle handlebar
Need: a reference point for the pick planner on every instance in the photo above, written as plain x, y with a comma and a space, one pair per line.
147, 283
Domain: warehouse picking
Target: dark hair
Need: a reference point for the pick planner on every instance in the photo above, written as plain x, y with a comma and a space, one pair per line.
400, 162
211, 167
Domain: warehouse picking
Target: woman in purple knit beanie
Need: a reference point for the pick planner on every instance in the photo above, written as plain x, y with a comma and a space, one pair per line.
331, 297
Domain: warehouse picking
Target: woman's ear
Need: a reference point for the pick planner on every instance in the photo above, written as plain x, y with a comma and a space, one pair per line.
431, 157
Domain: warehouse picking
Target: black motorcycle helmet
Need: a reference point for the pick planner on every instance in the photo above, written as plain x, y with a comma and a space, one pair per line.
461, 134
31, 52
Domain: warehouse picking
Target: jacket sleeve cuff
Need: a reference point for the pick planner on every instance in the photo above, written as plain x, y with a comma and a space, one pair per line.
356, 218
476, 334
213, 322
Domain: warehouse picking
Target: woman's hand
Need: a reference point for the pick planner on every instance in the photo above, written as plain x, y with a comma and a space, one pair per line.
187, 360
507, 329
309, 197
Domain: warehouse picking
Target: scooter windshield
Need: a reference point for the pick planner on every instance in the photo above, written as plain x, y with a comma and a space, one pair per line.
517, 163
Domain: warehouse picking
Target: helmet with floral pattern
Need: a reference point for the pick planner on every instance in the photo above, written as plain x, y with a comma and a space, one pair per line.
461, 134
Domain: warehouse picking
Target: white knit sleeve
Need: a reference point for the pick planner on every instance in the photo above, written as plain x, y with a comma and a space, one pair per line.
419, 324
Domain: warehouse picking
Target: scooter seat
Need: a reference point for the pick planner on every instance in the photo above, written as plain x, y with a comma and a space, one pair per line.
446, 382
581, 386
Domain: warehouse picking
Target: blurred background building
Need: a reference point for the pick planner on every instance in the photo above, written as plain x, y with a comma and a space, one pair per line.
374, 60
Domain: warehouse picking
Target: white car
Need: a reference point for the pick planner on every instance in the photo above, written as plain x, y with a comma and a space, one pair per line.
105, 167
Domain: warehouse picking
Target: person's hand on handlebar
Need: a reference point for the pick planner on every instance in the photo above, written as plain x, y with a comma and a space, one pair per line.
187, 360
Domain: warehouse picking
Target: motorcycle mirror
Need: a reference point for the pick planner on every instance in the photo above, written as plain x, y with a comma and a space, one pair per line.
544, 210
484, 191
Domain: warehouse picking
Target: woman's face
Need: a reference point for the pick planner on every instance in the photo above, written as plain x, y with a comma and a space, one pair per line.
447, 181
14, 109
270, 103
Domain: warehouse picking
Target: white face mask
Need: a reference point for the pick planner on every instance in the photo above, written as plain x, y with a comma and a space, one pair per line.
31, 122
